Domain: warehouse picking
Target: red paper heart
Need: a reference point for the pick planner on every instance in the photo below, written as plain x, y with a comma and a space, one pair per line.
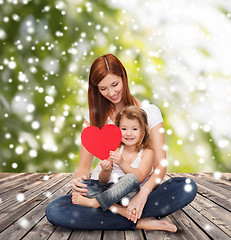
100, 142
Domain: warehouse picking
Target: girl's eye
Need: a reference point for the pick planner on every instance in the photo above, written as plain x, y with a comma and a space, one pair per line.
135, 129
102, 89
115, 84
123, 129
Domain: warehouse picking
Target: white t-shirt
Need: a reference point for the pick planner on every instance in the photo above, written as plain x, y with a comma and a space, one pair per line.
152, 111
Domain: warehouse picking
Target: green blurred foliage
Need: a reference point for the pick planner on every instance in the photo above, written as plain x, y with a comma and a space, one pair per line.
47, 48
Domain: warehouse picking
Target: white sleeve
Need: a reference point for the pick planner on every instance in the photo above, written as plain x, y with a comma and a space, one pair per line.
154, 115
87, 116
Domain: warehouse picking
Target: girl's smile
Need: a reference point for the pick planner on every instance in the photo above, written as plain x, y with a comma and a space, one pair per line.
131, 131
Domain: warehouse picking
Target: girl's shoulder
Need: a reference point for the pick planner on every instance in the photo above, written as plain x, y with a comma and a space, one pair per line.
148, 152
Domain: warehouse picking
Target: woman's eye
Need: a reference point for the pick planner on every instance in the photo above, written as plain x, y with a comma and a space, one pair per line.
102, 89
114, 85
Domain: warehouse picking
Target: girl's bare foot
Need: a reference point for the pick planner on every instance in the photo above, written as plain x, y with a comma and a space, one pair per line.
153, 224
84, 201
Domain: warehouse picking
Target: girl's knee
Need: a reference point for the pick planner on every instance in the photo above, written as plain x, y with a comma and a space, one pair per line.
132, 177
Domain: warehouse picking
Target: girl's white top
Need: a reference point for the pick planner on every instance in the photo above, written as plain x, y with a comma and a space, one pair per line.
154, 118
117, 171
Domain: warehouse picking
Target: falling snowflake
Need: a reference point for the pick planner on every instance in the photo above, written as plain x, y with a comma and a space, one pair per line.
125, 201
23, 222
20, 197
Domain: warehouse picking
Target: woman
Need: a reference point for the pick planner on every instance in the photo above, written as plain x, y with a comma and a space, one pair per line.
108, 93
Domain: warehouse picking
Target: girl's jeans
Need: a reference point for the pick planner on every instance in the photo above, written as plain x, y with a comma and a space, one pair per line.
109, 193
165, 199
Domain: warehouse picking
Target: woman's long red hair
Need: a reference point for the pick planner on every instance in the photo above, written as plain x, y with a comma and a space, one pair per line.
100, 108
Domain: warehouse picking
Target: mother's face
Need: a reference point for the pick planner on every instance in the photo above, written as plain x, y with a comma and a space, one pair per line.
111, 87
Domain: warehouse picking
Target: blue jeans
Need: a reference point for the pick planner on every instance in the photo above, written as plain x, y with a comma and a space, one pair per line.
109, 193
165, 199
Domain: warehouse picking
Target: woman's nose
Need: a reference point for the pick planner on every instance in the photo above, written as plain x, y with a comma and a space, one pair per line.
111, 92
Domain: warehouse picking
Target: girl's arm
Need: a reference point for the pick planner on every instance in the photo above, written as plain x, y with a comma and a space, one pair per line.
105, 173
144, 168
83, 169
160, 168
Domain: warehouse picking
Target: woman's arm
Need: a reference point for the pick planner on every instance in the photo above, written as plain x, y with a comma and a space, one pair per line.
160, 162
160, 168
83, 169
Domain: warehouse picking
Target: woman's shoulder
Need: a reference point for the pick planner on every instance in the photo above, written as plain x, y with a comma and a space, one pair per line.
150, 108
153, 113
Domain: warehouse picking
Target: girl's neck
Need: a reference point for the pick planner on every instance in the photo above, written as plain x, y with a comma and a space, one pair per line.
130, 148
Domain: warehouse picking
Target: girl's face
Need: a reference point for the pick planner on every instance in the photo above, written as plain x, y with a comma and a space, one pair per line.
111, 87
131, 131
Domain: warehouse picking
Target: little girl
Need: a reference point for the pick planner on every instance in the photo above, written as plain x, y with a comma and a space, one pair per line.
121, 174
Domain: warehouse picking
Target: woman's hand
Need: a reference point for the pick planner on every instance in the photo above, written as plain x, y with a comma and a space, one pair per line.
137, 203
78, 186
116, 157
106, 165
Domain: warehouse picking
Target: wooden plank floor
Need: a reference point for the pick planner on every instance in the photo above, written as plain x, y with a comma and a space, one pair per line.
24, 197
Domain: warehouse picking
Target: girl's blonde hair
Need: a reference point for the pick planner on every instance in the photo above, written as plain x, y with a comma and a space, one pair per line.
134, 112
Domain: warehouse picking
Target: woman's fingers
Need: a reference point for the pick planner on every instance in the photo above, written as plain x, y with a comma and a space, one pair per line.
78, 183
78, 186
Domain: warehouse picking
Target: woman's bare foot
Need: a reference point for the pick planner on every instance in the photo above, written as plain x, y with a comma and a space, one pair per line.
149, 223
84, 201
154, 224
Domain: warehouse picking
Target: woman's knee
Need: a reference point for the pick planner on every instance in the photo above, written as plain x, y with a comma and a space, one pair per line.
50, 213
189, 188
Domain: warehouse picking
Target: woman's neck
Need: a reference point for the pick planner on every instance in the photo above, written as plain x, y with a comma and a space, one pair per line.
119, 106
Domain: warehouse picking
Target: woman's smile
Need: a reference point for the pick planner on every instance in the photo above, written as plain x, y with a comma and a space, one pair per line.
111, 87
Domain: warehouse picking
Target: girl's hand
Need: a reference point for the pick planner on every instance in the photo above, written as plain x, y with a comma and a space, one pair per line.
106, 165
116, 157
78, 186
136, 205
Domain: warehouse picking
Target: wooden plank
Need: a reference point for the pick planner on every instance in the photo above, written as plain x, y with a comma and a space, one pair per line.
189, 229
5, 177
60, 233
224, 176
10, 216
113, 235
40, 231
29, 184
216, 214
12, 204
85, 235
210, 185
210, 178
16, 231
209, 227
134, 235
207, 217
210, 193
11, 184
